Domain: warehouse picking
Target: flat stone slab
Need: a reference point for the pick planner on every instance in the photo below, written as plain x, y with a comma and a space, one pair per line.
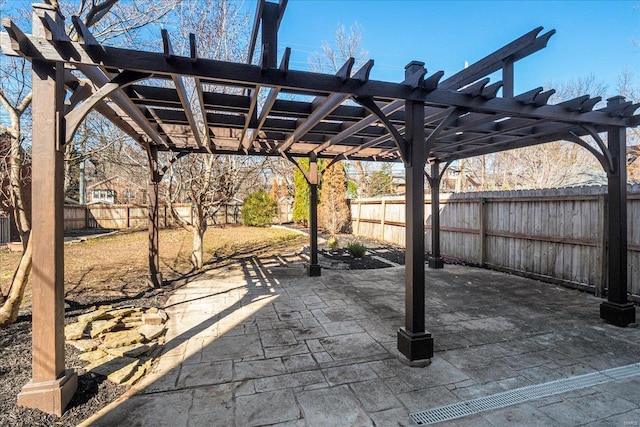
235, 347
150, 332
208, 373
84, 345
92, 356
267, 408
99, 327
93, 315
124, 373
75, 331
336, 406
121, 339
109, 364
352, 346
132, 350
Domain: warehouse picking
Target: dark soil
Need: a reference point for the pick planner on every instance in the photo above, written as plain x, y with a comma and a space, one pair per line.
94, 391
342, 259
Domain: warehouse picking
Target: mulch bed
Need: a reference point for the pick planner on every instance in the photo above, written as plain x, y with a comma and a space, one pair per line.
94, 391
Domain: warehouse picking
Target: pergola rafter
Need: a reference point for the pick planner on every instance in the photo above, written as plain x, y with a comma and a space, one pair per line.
420, 120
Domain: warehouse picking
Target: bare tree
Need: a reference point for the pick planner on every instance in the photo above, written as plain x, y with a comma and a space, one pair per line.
329, 59
208, 181
114, 20
549, 165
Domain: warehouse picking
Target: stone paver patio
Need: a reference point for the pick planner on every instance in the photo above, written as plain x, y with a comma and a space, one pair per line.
260, 343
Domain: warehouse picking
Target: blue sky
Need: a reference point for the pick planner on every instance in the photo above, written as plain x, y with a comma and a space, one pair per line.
592, 37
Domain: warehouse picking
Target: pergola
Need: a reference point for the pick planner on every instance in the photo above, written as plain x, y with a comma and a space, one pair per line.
423, 120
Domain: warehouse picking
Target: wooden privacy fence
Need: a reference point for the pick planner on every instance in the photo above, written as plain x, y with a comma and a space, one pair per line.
132, 216
5, 229
554, 235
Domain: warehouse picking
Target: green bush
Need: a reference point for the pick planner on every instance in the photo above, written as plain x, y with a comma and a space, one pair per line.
332, 243
356, 250
258, 209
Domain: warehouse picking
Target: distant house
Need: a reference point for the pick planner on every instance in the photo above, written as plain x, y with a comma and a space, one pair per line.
117, 190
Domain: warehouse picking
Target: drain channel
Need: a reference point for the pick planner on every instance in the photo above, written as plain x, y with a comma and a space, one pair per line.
523, 394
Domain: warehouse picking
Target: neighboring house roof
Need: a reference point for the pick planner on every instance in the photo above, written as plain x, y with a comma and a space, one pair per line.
113, 178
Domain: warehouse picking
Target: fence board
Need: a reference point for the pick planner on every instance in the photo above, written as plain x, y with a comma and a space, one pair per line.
133, 216
553, 233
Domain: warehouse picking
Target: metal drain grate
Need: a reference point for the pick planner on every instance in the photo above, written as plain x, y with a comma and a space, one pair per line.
523, 394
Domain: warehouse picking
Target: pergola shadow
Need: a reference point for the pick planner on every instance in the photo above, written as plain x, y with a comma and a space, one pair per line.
295, 349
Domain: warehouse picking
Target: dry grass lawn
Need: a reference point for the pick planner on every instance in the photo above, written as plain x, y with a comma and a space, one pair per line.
116, 266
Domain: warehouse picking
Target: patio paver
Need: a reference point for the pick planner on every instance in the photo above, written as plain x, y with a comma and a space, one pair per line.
284, 348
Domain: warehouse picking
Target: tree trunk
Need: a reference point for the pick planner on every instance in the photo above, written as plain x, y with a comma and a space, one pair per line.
10, 308
17, 199
199, 226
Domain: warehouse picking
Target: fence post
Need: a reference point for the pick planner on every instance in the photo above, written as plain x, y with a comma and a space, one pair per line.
483, 231
603, 243
358, 218
382, 218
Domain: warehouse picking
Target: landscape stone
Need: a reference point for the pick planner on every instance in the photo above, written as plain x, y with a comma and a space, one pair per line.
125, 311
121, 338
130, 323
75, 331
92, 356
151, 332
154, 318
99, 327
93, 315
132, 350
85, 345
124, 373
110, 364
139, 373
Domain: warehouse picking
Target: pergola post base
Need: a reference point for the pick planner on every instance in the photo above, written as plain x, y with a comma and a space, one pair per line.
51, 397
415, 345
618, 314
435, 262
313, 270
154, 280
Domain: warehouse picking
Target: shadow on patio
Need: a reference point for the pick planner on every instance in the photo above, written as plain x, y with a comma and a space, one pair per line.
260, 343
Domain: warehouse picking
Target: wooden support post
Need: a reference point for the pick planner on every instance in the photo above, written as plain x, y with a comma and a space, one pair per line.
313, 268
507, 78
51, 386
414, 341
617, 310
155, 276
435, 260
270, 34
483, 232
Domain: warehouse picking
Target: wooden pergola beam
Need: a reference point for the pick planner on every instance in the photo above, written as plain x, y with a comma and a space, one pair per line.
233, 73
